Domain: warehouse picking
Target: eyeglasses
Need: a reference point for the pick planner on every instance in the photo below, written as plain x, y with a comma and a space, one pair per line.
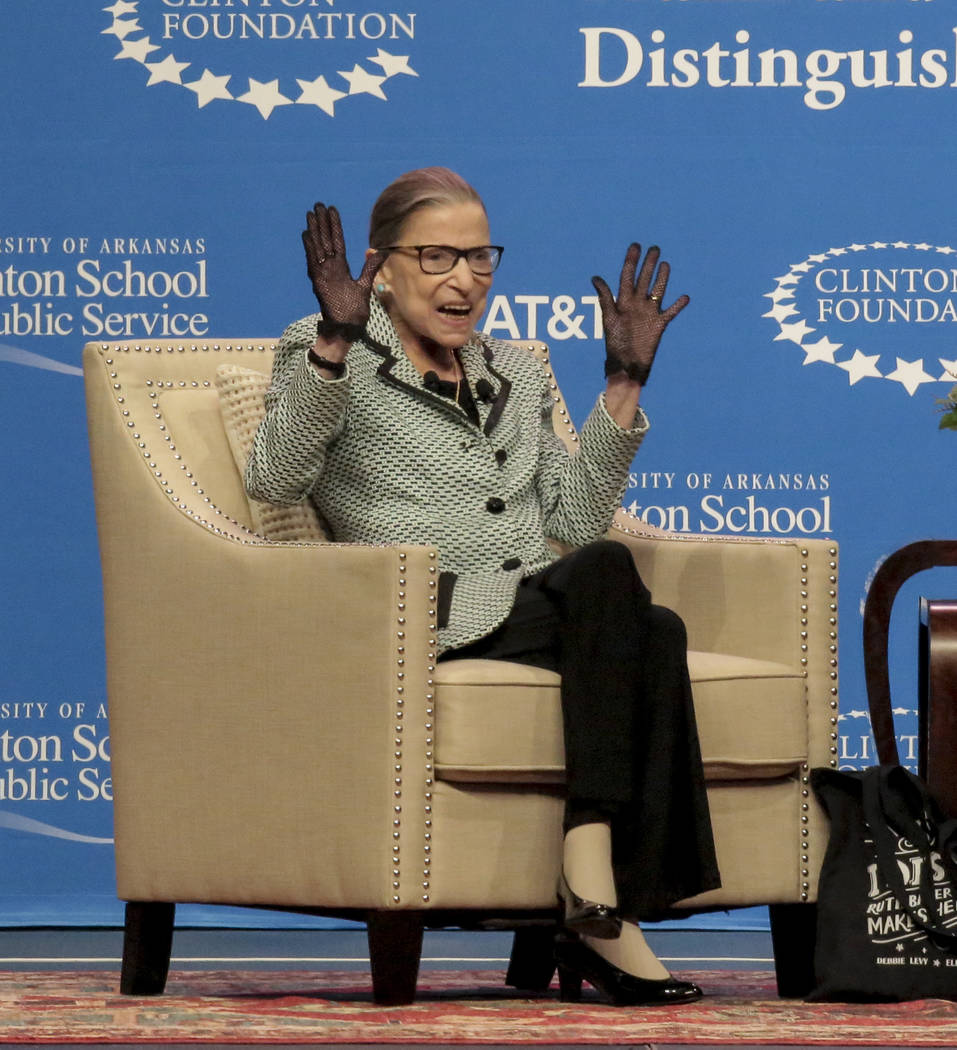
442, 258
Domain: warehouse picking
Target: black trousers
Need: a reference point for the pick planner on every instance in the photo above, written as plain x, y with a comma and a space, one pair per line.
631, 743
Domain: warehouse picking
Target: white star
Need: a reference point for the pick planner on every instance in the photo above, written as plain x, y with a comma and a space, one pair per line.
209, 87
822, 350
121, 7
910, 374
878, 244
393, 64
860, 366
788, 278
837, 251
801, 267
362, 82
950, 370
857, 247
137, 49
265, 97
318, 93
817, 258
946, 250
901, 244
781, 310
122, 29
795, 332
778, 294
853, 714
922, 247
168, 71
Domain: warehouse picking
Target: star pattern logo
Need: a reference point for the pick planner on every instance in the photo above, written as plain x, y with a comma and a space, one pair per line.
264, 95
861, 366
910, 374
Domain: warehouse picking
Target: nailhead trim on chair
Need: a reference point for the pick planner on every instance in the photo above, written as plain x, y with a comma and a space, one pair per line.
220, 522
429, 725
540, 350
833, 704
399, 756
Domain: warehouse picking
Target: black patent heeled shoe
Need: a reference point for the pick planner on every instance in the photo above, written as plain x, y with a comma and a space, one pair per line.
587, 917
577, 962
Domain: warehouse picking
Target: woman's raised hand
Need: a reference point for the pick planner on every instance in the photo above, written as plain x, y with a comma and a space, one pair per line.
344, 302
634, 323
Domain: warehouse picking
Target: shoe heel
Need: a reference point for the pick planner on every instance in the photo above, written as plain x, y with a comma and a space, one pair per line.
569, 985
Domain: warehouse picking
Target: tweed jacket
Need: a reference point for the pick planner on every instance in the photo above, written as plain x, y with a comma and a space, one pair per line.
386, 460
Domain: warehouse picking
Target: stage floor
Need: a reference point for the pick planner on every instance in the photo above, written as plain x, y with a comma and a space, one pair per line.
218, 949
89, 958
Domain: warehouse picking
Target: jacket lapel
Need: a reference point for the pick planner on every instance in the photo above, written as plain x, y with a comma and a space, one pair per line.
502, 388
477, 361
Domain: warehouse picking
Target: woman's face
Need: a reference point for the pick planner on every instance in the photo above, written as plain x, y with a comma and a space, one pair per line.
443, 308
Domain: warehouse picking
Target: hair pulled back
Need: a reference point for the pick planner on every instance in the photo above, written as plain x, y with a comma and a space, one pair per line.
421, 188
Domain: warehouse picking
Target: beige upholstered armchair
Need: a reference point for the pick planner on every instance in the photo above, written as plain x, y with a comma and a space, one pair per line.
282, 736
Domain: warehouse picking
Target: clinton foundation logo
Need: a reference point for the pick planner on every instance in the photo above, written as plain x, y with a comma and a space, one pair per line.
885, 311
266, 54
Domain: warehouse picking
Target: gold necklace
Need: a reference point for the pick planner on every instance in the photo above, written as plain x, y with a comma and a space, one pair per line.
454, 361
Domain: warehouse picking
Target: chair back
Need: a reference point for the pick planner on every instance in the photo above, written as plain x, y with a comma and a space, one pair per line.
155, 425
179, 418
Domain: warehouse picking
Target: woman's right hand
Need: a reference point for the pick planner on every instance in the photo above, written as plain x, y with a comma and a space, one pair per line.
344, 302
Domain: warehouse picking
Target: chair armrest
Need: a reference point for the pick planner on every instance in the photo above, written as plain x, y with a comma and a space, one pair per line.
266, 700
770, 599
747, 596
307, 670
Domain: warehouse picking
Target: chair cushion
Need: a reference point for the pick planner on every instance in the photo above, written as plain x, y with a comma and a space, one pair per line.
241, 392
502, 722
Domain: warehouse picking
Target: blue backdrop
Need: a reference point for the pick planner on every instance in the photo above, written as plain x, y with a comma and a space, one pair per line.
794, 158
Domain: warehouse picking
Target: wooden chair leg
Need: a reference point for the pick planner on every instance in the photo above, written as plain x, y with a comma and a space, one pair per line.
793, 936
532, 962
395, 949
147, 946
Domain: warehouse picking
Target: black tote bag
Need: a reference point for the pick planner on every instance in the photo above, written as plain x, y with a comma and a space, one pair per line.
887, 898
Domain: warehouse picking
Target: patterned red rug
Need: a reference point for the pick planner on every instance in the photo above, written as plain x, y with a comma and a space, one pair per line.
453, 1007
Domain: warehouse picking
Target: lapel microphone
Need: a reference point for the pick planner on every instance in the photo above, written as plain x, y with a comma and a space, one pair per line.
484, 391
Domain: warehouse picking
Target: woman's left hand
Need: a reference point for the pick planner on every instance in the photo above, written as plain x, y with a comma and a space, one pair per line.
634, 323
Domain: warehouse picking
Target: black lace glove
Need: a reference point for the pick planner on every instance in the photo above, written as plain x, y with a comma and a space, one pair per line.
635, 322
344, 302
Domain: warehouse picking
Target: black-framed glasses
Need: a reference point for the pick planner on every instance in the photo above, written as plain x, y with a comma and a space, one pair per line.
443, 258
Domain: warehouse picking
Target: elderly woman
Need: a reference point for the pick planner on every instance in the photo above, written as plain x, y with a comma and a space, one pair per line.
402, 423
